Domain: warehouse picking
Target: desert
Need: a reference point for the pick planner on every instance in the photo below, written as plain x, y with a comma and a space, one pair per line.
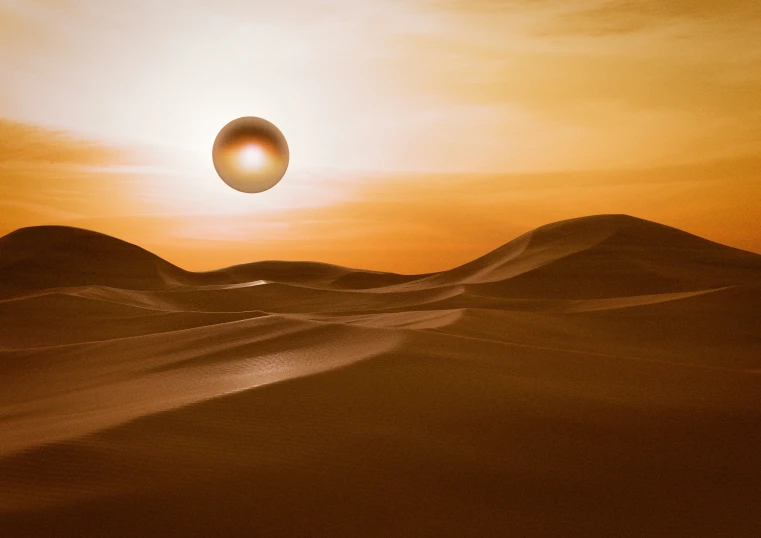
597, 376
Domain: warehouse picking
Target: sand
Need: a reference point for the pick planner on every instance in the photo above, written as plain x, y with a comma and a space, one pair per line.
595, 377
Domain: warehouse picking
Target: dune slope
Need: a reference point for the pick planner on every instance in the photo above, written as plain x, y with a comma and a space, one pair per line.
595, 377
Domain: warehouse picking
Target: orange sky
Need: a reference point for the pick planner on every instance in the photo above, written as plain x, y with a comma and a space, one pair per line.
422, 132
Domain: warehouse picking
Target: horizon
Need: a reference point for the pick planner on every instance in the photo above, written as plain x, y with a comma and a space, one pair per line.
358, 268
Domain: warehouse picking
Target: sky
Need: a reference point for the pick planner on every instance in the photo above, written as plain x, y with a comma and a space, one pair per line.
422, 133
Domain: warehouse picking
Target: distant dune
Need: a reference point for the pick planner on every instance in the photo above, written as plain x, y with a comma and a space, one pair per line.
594, 377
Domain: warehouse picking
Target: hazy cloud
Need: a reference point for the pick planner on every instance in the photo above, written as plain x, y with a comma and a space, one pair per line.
21, 143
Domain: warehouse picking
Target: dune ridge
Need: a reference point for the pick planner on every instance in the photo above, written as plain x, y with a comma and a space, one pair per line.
596, 376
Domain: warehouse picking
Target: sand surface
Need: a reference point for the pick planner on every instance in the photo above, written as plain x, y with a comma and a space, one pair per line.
595, 377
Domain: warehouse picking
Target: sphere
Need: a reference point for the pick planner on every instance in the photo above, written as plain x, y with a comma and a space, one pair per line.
250, 154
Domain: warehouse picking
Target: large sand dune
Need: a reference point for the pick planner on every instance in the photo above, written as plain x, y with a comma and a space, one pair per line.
595, 377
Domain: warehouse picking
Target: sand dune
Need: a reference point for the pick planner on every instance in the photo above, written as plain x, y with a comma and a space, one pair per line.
594, 377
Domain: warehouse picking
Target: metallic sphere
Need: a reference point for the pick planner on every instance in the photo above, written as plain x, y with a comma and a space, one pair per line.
250, 154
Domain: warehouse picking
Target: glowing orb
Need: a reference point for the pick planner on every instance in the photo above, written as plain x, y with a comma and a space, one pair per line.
250, 154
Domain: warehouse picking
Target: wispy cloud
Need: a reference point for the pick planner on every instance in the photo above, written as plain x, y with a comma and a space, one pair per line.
602, 17
23, 143
607, 17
